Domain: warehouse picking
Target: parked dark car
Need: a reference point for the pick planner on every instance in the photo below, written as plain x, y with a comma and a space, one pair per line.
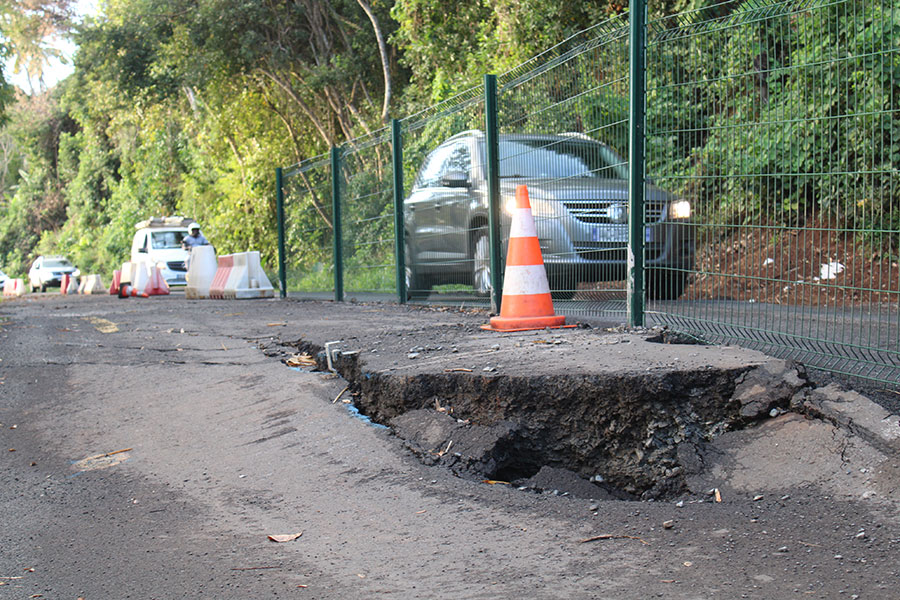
579, 196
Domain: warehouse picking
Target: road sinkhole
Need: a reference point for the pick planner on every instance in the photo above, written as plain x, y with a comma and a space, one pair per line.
635, 435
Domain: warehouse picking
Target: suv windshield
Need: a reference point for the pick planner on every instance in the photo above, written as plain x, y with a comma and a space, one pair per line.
165, 240
559, 159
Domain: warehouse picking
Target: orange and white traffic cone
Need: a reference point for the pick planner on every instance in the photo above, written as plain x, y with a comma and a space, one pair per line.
526, 303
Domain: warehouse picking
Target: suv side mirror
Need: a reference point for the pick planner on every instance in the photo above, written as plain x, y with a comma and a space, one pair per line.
455, 179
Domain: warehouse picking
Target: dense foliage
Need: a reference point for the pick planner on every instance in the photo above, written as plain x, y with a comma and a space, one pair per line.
187, 106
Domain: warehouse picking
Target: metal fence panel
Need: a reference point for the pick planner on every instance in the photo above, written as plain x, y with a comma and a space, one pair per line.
309, 227
564, 134
367, 210
445, 207
778, 121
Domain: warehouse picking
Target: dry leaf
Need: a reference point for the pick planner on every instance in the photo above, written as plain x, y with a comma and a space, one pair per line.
285, 537
301, 360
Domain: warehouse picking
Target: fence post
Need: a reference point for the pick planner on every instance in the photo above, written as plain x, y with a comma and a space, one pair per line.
336, 218
399, 232
279, 209
492, 151
636, 189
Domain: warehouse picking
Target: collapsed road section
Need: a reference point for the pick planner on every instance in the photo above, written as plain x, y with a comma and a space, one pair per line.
620, 414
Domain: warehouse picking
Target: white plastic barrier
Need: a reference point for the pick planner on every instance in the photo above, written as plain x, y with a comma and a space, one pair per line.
92, 284
73, 286
201, 272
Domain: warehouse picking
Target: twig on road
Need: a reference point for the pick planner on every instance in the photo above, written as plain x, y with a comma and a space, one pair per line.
612, 536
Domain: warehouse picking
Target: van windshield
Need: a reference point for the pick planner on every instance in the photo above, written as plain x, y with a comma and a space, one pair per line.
166, 240
559, 159
56, 263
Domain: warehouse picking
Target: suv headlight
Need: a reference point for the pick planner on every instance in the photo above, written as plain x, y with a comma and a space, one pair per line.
680, 209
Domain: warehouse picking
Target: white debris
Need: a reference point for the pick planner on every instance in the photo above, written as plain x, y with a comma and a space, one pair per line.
830, 270
768, 261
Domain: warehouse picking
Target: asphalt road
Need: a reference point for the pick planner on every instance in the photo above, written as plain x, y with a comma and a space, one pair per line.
149, 448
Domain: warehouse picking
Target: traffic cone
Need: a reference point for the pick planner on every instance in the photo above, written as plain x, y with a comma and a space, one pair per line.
526, 303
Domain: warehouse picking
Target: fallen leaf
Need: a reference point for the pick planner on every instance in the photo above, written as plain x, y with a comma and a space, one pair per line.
361, 575
718, 495
495, 482
302, 586
301, 360
276, 324
286, 537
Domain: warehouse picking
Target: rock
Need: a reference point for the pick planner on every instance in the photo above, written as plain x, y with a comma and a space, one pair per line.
854, 411
771, 385
478, 451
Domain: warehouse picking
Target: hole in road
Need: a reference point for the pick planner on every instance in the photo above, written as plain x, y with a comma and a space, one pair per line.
625, 435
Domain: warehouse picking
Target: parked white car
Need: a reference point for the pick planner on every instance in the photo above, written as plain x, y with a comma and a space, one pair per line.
48, 271
3, 278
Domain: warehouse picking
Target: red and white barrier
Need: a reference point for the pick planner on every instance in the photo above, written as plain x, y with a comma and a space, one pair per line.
240, 276
156, 284
14, 288
116, 282
223, 273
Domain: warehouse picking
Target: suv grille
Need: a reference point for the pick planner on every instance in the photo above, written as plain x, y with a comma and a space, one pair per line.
597, 213
176, 265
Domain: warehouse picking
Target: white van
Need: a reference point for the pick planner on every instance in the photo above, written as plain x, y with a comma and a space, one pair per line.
158, 242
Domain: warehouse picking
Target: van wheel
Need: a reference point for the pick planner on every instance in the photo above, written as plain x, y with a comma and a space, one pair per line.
481, 263
417, 286
43, 287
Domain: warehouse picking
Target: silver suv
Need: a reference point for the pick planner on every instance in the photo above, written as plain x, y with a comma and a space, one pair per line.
579, 196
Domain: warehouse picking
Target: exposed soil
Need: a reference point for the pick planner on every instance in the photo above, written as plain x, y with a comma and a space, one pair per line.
820, 264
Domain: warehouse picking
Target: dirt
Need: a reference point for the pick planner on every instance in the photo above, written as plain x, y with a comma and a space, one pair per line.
821, 264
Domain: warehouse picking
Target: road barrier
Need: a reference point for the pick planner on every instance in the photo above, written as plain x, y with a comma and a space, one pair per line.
14, 288
92, 284
240, 276
201, 272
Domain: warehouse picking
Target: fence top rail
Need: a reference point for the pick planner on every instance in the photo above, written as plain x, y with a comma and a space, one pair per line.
307, 164
725, 14
613, 29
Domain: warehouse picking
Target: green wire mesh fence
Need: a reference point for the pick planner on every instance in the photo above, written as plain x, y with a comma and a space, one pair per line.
778, 122
771, 202
309, 227
367, 212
